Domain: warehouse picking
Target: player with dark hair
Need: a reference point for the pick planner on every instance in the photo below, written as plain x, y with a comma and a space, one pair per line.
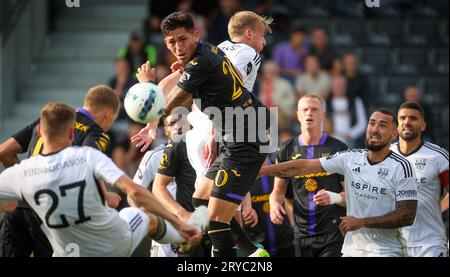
427, 236
209, 76
316, 223
380, 186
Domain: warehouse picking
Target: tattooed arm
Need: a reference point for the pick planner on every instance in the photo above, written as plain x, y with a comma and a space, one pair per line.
402, 216
292, 168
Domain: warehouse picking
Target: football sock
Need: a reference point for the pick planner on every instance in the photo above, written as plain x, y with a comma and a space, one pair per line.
166, 233
241, 238
221, 238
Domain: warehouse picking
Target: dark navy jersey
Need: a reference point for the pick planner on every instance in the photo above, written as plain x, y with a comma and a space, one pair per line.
87, 133
311, 220
275, 238
210, 77
175, 163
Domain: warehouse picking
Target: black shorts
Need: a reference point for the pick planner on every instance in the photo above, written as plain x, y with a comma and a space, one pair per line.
325, 245
21, 235
235, 170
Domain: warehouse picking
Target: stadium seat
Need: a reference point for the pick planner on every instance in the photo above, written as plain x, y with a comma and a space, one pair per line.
439, 63
436, 89
352, 27
415, 57
397, 84
393, 28
377, 56
426, 27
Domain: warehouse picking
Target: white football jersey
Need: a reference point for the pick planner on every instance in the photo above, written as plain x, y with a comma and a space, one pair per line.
63, 189
372, 189
244, 58
430, 163
149, 167
144, 176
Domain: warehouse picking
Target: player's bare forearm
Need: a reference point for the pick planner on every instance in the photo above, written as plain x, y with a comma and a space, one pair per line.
402, 216
9, 151
177, 98
162, 193
279, 191
292, 168
444, 203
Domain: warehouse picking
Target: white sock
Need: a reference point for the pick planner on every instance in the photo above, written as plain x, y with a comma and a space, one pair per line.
166, 233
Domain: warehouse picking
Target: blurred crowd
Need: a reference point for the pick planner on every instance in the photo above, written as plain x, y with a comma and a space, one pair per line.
296, 61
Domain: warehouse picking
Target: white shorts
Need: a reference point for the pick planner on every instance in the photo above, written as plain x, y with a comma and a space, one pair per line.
431, 250
161, 250
138, 223
362, 253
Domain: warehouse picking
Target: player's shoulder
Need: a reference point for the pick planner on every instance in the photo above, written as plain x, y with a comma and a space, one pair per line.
436, 150
394, 146
202, 57
155, 152
288, 144
242, 48
401, 162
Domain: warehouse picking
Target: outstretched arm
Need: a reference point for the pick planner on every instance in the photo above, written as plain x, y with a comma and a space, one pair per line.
292, 168
9, 151
402, 216
162, 193
177, 97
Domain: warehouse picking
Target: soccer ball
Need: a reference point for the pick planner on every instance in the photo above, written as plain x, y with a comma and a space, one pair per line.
144, 103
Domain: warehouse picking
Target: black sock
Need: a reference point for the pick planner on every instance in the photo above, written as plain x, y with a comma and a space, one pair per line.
222, 240
196, 202
241, 239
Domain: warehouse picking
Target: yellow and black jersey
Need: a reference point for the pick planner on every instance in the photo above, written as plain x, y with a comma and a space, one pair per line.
311, 220
175, 163
211, 77
87, 133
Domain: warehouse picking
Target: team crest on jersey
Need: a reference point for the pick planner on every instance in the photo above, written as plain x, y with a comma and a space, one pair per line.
383, 172
420, 164
311, 185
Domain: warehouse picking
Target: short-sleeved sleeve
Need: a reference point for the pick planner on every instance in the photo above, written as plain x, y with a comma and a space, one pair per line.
23, 137
442, 166
282, 156
335, 163
342, 147
97, 139
10, 184
169, 163
196, 72
148, 168
244, 62
104, 167
406, 188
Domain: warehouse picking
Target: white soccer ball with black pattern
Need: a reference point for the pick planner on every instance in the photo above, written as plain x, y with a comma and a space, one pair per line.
145, 102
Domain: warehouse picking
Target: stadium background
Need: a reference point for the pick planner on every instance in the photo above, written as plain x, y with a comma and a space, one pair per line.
50, 52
